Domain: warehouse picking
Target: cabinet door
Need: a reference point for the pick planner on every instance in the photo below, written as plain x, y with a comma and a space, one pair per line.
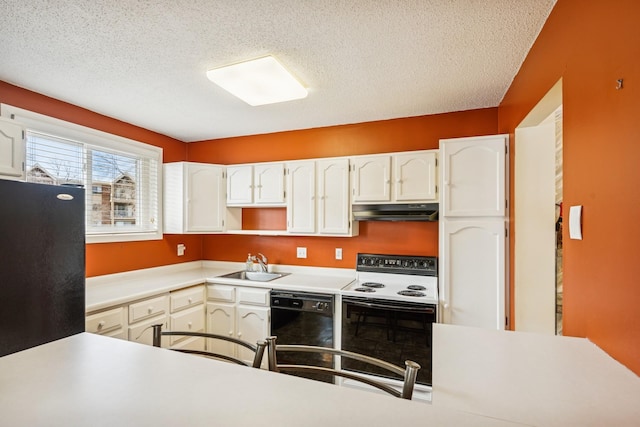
240, 185
301, 201
252, 325
12, 149
371, 179
415, 177
473, 172
268, 183
205, 205
221, 320
472, 272
334, 209
141, 332
190, 320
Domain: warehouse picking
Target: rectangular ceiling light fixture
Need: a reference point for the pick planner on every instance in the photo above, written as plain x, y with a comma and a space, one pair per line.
258, 82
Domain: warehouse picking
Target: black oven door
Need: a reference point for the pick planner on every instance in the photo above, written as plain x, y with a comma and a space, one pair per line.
393, 331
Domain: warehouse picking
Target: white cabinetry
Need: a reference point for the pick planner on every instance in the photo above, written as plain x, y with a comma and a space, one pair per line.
334, 206
301, 203
260, 184
318, 200
12, 149
110, 322
472, 224
194, 200
143, 314
398, 177
238, 312
188, 315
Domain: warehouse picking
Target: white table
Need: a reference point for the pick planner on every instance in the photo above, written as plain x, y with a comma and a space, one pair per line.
91, 380
530, 378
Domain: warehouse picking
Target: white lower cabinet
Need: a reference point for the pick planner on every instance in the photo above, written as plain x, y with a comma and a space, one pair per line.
144, 314
187, 314
238, 312
110, 322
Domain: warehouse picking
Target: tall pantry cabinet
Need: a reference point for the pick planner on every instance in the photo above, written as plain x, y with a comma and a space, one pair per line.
473, 221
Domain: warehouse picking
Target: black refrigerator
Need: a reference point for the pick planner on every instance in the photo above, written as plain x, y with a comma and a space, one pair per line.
42, 264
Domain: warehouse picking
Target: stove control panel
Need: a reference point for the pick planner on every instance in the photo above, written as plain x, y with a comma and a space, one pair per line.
399, 264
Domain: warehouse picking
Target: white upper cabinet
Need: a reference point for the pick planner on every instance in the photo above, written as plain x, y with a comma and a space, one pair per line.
260, 184
12, 149
472, 175
240, 185
334, 207
415, 177
318, 198
399, 177
301, 200
193, 198
371, 178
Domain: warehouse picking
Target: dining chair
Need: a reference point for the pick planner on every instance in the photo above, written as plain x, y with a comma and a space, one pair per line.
408, 373
258, 348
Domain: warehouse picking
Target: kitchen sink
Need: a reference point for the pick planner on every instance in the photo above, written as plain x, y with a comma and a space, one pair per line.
256, 276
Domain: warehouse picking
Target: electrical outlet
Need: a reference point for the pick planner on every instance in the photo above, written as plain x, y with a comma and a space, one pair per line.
181, 249
301, 252
338, 253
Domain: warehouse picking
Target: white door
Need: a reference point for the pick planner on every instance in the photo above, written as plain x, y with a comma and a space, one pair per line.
221, 321
252, 326
239, 185
472, 272
415, 176
12, 149
301, 200
472, 176
334, 208
268, 183
371, 179
205, 198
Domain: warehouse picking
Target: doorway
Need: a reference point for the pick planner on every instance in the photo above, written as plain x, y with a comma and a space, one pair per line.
538, 219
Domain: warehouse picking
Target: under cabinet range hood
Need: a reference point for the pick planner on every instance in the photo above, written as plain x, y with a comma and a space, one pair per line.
396, 212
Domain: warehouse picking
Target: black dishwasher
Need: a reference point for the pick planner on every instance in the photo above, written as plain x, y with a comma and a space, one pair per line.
303, 318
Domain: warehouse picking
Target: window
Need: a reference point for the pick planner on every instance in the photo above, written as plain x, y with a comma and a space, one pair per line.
123, 177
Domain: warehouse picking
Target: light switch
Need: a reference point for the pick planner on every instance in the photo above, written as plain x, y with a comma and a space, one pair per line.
575, 222
338, 253
181, 249
301, 252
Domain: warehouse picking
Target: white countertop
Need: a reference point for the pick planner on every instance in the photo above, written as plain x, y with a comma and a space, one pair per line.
533, 379
94, 380
120, 288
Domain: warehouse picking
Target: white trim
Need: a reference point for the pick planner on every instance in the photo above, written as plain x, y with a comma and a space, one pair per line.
85, 135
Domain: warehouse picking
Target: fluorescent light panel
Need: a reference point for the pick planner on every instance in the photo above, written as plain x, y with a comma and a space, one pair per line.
258, 82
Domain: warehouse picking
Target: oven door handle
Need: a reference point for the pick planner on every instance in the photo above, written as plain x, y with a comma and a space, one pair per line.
427, 310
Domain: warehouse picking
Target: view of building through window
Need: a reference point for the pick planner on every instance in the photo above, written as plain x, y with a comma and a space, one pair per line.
111, 177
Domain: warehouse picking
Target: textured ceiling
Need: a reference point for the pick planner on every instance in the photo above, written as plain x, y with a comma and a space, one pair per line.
144, 62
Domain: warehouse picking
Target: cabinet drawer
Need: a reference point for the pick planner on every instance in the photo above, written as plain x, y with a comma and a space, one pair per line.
105, 321
253, 296
221, 293
191, 320
186, 298
147, 308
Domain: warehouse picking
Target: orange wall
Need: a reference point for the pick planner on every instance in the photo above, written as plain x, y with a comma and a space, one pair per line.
415, 133
590, 44
105, 258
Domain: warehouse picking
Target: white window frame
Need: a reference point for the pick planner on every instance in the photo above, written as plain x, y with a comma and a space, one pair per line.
48, 125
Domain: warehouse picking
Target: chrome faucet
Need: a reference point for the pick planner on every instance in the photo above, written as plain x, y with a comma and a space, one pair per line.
262, 261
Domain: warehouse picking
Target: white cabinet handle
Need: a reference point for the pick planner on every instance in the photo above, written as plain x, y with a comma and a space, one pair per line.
230, 333
189, 300
189, 325
150, 309
239, 334
101, 324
